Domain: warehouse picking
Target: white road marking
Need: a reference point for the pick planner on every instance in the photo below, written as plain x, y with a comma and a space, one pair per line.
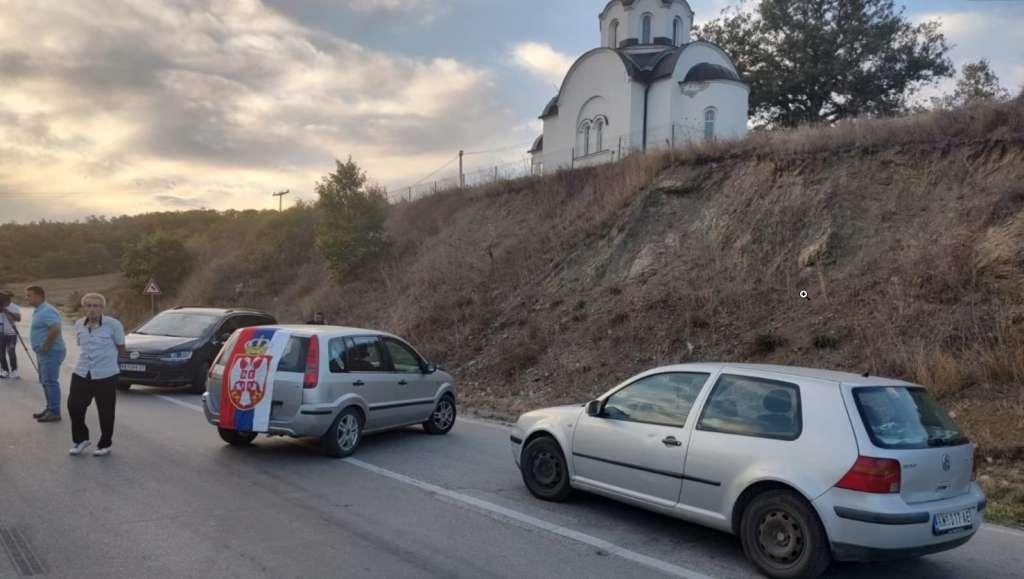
188, 405
611, 548
481, 422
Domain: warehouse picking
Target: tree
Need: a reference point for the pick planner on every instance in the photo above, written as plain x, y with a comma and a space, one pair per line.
158, 255
977, 82
351, 217
826, 60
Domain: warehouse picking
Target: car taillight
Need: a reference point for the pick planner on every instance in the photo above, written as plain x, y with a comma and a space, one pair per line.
872, 475
312, 375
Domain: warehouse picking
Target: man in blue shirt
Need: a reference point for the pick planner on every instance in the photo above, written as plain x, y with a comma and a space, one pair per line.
49, 348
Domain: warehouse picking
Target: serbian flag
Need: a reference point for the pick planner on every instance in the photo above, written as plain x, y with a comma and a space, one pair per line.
247, 388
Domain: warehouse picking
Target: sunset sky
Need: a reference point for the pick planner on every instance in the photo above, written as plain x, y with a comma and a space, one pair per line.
112, 107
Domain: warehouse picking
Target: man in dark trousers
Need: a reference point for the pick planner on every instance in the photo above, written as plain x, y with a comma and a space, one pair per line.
100, 339
10, 314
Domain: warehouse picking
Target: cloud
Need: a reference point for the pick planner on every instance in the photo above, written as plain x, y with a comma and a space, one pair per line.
541, 60
227, 99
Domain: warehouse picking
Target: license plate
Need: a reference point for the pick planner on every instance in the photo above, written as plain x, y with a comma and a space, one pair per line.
133, 367
954, 521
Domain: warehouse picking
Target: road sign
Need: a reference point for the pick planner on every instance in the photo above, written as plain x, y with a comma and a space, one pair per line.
151, 288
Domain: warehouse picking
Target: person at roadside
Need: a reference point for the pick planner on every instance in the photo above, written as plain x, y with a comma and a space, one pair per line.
10, 314
318, 320
49, 348
100, 338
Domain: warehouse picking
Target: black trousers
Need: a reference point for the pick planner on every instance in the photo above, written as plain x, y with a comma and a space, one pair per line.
83, 390
8, 353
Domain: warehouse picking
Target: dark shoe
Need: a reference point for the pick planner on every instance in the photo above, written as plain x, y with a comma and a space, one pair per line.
38, 415
49, 417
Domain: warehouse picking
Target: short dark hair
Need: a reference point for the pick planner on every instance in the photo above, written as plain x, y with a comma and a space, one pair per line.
36, 290
5, 298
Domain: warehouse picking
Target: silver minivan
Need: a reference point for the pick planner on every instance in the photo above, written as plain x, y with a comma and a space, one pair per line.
804, 465
337, 384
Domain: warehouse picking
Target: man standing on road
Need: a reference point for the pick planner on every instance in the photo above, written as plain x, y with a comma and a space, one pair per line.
10, 314
318, 320
49, 348
99, 338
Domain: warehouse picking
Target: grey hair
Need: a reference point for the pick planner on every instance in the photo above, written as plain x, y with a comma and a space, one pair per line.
94, 296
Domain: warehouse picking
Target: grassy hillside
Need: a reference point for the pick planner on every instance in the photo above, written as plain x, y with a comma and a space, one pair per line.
907, 234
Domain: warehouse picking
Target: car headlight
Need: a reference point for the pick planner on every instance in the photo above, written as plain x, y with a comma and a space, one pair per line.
176, 356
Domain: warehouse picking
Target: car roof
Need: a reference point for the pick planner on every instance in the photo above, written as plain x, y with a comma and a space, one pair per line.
217, 311
792, 371
335, 331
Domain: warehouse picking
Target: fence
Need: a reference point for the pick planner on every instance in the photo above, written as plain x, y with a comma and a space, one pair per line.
611, 148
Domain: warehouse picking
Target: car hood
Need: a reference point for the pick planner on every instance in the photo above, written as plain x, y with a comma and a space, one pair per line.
149, 344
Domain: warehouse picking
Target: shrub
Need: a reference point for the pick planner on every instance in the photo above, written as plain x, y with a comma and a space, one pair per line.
159, 255
352, 218
826, 342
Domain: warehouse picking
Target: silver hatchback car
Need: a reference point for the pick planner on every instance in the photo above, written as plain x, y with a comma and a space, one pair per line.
804, 465
338, 384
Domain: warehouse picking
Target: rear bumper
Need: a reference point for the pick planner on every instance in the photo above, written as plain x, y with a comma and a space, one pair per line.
865, 527
311, 421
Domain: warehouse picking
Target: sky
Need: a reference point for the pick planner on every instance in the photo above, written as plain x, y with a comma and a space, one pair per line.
111, 107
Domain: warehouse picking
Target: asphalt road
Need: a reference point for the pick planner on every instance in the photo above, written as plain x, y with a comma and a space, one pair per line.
174, 501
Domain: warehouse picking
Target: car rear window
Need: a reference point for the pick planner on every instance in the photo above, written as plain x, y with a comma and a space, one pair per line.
902, 417
294, 357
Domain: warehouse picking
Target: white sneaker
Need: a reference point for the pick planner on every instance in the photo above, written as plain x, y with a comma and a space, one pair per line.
14, 374
78, 448
101, 451
3, 373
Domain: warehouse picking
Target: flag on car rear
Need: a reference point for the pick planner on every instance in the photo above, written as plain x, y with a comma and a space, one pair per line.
248, 381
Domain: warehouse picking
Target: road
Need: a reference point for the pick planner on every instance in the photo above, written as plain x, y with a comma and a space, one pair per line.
174, 501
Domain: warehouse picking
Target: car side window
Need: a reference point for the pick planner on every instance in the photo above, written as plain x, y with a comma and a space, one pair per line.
402, 358
365, 355
227, 327
337, 349
659, 399
751, 406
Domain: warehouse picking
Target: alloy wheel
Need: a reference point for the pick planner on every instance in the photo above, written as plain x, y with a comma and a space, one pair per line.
444, 414
348, 432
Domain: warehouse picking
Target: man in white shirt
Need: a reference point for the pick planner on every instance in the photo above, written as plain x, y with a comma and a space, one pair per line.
100, 338
10, 314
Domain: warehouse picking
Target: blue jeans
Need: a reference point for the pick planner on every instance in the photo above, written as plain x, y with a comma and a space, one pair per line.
49, 376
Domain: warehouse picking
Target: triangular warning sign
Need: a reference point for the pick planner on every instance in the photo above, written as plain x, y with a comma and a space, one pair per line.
152, 289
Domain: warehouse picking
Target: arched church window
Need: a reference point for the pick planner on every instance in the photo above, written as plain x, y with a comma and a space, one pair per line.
613, 34
710, 115
600, 135
677, 28
646, 33
586, 139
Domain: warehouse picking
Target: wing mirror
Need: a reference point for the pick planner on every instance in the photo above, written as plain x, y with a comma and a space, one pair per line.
594, 408
429, 368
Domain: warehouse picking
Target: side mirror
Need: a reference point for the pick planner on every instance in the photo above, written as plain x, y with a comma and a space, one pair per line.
429, 368
594, 408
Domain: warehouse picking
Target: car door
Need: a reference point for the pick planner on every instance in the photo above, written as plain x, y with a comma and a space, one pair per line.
636, 446
288, 381
371, 378
415, 388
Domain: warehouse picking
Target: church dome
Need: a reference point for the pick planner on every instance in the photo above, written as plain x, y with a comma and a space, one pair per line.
707, 71
645, 23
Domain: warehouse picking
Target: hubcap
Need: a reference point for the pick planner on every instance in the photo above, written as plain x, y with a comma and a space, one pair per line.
444, 414
348, 432
546, 469
780, 537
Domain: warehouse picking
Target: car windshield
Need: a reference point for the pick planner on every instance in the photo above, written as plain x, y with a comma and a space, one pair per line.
178, 325
899, 417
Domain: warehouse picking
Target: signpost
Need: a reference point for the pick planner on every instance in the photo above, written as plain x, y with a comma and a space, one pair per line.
152, 290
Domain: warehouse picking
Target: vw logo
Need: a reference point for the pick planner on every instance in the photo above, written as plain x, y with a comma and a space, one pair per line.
947, 463
135, 356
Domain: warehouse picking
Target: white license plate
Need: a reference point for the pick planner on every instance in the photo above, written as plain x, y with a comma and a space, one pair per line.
133, 367
948, 522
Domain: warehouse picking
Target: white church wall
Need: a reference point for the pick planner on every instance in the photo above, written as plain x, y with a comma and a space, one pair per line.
729, 99
600, 73
631, 23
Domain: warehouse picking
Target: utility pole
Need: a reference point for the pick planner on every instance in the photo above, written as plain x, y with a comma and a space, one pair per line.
280, 197
462, 176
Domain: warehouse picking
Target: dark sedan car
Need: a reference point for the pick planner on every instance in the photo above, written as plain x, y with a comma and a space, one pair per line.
175, 348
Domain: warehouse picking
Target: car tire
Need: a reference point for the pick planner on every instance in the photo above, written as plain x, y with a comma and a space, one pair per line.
344, 434
544, 470
199, 380
236, 438
783, 536
124, 386
442, 419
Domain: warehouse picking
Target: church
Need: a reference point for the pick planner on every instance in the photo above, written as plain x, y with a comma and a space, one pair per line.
647, 86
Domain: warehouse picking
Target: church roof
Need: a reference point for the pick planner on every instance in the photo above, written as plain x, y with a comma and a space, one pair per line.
706, 71
551, 109
538, 145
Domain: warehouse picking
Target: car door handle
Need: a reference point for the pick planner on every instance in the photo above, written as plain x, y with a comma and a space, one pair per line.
671, 441
402, 383
359, 383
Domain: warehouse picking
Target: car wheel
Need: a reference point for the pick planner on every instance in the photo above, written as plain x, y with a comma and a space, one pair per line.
344, 435
124, 386
443, 418
236, 438
544, 470
199, 380
783, 536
